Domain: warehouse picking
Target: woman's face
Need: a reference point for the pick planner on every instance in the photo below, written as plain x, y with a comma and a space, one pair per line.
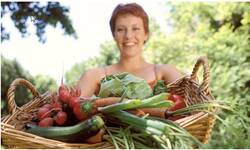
129, 35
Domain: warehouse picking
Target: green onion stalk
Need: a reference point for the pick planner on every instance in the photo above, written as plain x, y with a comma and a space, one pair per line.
161, 132
156, 101
209, 107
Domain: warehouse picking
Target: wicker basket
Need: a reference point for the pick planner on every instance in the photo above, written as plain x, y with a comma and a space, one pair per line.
199, 124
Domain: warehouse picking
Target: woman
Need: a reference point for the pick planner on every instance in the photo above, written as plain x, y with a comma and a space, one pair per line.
129, 27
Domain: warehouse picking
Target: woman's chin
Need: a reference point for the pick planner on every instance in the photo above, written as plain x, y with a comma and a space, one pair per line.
129, 55
130, 52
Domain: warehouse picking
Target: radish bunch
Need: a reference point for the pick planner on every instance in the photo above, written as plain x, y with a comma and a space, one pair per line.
54, 112
71, 97
51, 113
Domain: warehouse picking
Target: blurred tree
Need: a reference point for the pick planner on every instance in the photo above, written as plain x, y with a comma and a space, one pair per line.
41, 16
221, 31
109, 53
10, 70
45, 83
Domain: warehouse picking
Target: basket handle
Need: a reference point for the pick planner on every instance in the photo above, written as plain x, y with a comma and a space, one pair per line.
11, 93
205, 84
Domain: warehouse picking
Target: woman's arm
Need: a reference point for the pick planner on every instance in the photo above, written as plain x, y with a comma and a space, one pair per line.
169, 73
89, 82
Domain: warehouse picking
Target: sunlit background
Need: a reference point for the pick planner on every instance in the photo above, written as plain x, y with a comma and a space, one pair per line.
181, 32
59, 53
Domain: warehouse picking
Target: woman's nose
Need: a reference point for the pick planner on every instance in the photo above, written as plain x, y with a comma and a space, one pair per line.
128, 34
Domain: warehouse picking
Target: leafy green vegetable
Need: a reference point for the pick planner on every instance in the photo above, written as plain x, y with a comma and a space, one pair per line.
124, 83
160, 87
112, 87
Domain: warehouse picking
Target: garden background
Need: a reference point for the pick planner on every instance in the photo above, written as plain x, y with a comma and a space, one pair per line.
220, 31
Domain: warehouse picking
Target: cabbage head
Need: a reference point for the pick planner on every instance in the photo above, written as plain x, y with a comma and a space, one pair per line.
125, 84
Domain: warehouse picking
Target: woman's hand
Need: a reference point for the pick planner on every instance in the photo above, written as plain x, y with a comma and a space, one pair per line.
90, 81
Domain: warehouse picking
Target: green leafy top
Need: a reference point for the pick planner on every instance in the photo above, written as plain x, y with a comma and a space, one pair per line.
160, 87
124, 84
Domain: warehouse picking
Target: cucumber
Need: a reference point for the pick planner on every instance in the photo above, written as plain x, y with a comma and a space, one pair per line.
75, 133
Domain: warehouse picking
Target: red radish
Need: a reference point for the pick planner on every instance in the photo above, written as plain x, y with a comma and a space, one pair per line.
57, 105
73, 101
60, 118
43, 112
174, 97
49, 106
178, 105
55, 101
74, 97
78, 113
75, 92
46, 122
78, 92
64, 92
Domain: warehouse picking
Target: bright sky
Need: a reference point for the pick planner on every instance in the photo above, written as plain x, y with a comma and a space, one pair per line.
90, 19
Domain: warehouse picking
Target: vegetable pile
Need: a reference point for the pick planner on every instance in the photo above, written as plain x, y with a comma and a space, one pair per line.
127, 113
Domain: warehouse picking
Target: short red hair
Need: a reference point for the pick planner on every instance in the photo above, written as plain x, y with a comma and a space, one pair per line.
130, 8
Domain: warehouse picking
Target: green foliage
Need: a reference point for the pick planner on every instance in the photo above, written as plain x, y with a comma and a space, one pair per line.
41, 16
10, 70
221, 32
73, 75
109, 54
45, 83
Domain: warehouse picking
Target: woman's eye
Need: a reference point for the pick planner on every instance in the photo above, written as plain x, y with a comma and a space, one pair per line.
136, 29
119, 29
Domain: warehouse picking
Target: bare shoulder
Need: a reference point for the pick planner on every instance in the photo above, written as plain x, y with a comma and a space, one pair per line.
166, 67
89, 81
168, 72
93, 74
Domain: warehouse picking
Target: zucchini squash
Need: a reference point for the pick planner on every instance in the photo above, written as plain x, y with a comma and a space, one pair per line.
75, 133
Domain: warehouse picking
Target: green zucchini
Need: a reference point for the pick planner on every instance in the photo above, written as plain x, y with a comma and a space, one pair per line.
75, 133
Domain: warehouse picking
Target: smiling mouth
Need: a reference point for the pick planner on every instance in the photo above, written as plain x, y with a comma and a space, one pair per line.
129, 44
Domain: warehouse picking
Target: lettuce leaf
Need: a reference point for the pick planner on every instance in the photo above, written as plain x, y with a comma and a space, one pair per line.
125, 83
160, 87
